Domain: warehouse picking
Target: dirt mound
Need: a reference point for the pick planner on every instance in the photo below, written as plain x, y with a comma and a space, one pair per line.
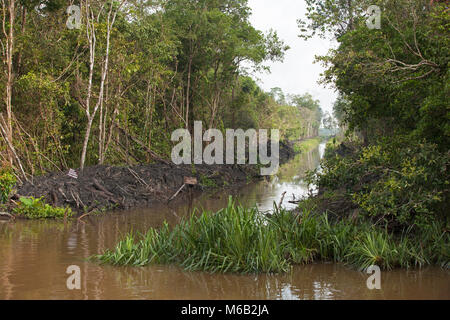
102, 187
107, 187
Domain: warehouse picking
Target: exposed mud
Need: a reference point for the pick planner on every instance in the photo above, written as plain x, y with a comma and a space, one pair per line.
107, 187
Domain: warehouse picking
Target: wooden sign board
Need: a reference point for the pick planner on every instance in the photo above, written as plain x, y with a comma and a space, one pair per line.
192, 181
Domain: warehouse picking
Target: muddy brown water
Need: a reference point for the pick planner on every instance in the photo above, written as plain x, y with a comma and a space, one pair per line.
34, 256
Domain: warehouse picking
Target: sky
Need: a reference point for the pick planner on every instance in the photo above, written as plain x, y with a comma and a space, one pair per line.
298, 73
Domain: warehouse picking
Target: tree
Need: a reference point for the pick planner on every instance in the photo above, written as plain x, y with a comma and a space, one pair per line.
114, 90
278, 94
331, 17
394, 79
8, 20
393, 86
329, 122
216, 38
91, 33
310, 111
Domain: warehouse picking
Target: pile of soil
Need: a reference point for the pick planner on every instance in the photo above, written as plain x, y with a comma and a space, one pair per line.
108, 187
101, 187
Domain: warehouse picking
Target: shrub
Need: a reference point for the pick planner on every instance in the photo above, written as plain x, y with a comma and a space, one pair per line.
36, 208
7, 182
207, 182
401, 183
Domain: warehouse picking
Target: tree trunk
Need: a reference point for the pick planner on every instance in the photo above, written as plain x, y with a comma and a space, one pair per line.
188, 92
86, 141
10, 76
90, 32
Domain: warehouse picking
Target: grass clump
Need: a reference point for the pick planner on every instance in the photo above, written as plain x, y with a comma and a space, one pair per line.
242, 240
36, 208
235, 239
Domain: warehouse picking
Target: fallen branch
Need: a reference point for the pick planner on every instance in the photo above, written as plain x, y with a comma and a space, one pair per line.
136, 176
6, 214
102, 188
282, 198
84, 215
176, 193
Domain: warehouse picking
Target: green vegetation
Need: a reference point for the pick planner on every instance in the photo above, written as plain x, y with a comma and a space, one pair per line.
406, 188
7, 183
297, 116
32, 208
110, 92
242, 240
29, 208
307, 145
208, 182
392, 169
156, 66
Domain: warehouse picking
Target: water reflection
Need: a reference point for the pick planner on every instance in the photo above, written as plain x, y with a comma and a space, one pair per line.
34, 256
288, 180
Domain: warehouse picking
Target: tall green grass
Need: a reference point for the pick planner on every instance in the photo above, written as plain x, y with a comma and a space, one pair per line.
242, 240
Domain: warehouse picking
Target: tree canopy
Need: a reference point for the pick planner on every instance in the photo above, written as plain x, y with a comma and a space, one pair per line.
135, 70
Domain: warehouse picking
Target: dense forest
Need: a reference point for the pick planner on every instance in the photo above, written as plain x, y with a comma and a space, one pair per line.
393, 82
110, 83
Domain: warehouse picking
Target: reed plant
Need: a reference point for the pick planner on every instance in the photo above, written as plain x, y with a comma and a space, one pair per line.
243, 240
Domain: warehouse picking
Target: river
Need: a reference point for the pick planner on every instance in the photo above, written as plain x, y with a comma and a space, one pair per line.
34, 256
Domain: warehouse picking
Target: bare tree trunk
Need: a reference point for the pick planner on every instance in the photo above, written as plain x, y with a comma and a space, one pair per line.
100, 135
151, 118
11, 147
9, 35
151, 97
86, 141
350, 15
147, 125
215, 107
188, 91
24, 21
90, 31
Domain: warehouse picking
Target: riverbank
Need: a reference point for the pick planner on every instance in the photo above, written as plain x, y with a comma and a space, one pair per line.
101, 188
240, 239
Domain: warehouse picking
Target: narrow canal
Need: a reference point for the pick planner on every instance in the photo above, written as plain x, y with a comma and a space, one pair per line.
34, 256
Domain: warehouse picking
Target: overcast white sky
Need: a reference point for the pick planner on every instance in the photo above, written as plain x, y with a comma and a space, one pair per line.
298, 73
